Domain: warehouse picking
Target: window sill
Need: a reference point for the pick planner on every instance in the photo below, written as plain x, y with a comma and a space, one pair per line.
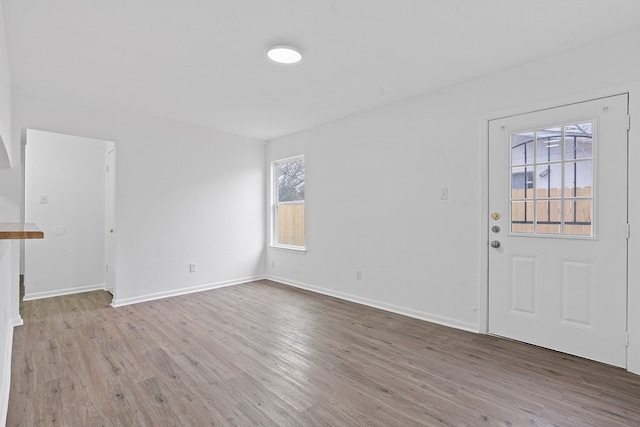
298, 249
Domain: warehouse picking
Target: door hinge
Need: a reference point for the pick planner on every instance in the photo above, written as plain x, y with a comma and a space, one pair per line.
628, 340
106, 268
628, 234
628, 122
107, 168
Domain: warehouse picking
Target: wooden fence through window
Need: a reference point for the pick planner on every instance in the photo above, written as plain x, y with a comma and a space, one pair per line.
578, 211
291, 225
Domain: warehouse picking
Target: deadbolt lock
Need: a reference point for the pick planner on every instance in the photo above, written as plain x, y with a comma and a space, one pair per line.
495, 216
495, 229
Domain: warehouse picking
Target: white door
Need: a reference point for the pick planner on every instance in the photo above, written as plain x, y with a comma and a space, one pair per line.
558, 228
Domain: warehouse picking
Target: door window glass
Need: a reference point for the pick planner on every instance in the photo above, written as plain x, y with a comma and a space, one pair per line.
552, 180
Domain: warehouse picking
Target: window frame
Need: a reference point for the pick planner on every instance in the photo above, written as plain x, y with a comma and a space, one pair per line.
275, 204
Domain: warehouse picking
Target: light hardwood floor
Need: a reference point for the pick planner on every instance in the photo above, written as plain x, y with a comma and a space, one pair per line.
267, 354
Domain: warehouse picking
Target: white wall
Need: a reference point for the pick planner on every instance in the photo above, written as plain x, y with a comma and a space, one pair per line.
183, 195
5, 101
70, 172
374, 179
9, 212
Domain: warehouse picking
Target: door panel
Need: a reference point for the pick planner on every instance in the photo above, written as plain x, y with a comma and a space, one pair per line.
524, 297
577, 293
557, 263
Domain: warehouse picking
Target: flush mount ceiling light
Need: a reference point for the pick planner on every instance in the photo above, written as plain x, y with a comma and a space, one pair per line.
284, 54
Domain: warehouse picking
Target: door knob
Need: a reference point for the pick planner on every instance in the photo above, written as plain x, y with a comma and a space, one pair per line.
495, 244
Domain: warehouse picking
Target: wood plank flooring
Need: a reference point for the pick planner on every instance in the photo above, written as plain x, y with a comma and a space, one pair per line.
262, 353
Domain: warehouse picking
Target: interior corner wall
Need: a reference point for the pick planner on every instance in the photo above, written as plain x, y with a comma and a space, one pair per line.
373, 188
183, 195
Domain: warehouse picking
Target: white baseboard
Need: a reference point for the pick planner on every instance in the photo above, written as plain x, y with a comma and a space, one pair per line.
60, 292
416, 314
5, 380
183, 291
17, 321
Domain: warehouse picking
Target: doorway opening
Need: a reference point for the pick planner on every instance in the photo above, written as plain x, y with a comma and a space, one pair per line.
69, 192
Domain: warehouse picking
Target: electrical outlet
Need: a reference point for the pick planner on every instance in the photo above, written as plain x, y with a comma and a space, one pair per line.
43, 199
273, 264
358, 274
444, 193
192, 268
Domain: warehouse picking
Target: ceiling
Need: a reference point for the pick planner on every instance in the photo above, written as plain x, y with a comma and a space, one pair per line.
203, 62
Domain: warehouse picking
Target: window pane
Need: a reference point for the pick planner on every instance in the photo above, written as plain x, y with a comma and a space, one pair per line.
522, 217
549, 180
522, 183
291, 225
549, 145
577, 217
552, 178
522, 148
578, 141
289, 186
548, 216
291, 181
578, 178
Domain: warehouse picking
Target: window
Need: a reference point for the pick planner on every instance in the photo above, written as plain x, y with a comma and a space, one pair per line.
521, 180
288, 205
552, 180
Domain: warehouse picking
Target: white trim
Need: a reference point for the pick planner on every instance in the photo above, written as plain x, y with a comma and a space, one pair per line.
5, 381
289, 159
633, 244
61, 292
559, 102
421, 315
183, 291
110, 210
291, 203
299, 249
483, 292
